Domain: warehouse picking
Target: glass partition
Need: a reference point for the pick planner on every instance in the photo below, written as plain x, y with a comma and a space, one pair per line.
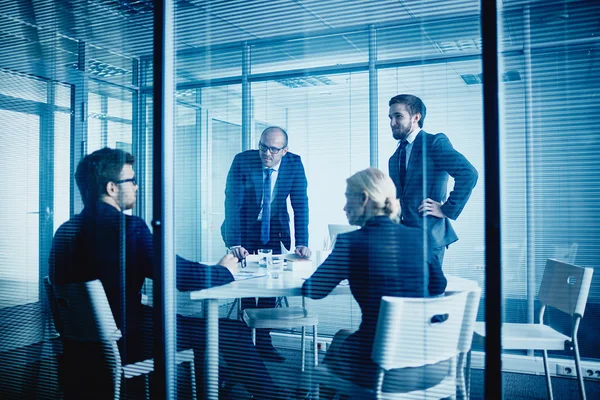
77, 76
548, 176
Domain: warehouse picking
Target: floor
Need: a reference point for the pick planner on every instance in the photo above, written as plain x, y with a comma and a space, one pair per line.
516, 386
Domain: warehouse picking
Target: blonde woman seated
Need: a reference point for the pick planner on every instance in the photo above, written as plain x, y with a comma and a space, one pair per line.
382, 258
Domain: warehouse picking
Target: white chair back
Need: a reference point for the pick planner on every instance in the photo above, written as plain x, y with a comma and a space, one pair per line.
413, 332
336, 229
565, 287
84, 313
466, 334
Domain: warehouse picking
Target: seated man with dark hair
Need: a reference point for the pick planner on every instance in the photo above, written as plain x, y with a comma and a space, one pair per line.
104, 243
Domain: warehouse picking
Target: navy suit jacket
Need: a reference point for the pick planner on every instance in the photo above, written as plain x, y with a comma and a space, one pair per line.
103, 243
380, 259
243, 199
431, 161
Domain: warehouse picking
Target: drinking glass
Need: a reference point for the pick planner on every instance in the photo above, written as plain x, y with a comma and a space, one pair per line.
275, 269
265, 258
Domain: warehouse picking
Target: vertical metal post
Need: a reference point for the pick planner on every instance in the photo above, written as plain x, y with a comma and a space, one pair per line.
138, 133
491, 139
246, 106
79, 110
530, 238
163, 176
103, 120
373, 125
46, 191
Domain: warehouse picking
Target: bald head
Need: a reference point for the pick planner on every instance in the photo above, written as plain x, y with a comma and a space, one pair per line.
274, 131
272, 146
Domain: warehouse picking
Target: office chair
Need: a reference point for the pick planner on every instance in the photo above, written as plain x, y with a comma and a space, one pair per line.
564, 287
81, 314
464, 344
284, 318
411, 332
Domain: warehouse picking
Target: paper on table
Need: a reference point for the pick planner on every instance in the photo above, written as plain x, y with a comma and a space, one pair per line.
290, 255
295, 257
283, 249
251, 271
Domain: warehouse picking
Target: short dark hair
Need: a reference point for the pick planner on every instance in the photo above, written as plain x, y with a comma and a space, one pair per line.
414, 105
95, 170
276, 128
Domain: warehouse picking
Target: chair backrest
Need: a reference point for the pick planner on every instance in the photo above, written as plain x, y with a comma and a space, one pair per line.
52, 304
565, 287
336, 229
566, 252
412, 332
83, 313
469, 318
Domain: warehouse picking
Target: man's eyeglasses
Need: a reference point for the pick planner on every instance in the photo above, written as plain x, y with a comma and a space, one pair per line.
274, 150
132, 180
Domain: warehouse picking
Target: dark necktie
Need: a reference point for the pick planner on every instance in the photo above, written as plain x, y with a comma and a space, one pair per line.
403, 163
265, 226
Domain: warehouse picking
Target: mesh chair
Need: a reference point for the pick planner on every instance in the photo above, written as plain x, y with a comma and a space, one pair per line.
81, 314
564, 287
284, 318
411, 332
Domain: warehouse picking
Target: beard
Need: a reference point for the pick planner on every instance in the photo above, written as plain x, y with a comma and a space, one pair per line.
401, 132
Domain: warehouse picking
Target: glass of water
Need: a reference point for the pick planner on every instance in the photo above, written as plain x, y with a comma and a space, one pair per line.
265, 258
276, 268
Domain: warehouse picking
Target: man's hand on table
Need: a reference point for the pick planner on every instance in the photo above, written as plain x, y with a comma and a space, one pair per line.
303, 251
239, 252
230, 262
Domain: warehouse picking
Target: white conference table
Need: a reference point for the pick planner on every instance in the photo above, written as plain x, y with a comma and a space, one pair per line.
289, 284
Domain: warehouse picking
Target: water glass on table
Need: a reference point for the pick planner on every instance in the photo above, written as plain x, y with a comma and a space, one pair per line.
265, 258
275, 269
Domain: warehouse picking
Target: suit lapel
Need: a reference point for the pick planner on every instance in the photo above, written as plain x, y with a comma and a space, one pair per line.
257, 179
395, 168
414, 162
282, 177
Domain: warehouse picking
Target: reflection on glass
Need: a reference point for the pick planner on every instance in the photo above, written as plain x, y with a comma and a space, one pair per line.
19, 240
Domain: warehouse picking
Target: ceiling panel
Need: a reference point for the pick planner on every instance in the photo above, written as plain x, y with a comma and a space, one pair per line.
310, 52
239, 20
425, 9
337, 14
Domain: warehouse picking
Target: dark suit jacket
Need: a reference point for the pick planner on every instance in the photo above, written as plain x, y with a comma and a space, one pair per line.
243, 197
380, 259
103, 243
431, 160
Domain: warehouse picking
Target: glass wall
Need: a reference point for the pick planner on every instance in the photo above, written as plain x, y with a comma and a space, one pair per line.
78, 76
548, 155
319, 88
35, 129
110, 112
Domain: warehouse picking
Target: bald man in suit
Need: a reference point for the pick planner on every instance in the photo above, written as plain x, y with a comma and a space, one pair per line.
256, 216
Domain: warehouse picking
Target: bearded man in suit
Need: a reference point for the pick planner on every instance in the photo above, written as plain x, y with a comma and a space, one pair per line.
420, 168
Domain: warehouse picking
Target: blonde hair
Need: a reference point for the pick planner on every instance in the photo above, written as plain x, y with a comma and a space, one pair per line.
380, 189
